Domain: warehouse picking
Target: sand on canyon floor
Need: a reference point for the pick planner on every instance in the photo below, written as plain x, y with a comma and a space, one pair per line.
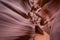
42, 37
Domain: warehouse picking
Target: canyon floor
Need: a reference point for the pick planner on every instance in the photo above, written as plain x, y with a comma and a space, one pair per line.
42, 37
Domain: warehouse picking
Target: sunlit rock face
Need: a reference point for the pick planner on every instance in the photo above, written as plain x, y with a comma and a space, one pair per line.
14, 22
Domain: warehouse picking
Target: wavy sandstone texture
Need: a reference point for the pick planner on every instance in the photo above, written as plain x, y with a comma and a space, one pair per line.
14, 22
